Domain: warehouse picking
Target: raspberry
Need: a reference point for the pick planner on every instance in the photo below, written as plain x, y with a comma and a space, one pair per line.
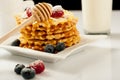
28, 12
38, 66
57, 14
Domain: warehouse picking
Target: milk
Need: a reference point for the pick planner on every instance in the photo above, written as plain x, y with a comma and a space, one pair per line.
97, 16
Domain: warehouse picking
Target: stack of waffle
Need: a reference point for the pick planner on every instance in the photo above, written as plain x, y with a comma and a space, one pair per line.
38, 34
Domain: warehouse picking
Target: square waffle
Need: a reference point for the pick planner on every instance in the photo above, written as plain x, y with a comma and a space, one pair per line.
39, 34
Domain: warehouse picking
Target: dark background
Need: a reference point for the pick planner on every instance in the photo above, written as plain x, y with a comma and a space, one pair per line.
74, 4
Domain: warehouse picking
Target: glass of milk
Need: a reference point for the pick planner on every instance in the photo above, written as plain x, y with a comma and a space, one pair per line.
96, 16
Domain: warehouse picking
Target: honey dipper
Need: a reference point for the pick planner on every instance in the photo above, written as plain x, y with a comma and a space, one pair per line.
40, 12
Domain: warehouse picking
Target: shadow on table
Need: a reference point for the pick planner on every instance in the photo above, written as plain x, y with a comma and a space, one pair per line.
9, 56
115, 40
90, 60
115, 36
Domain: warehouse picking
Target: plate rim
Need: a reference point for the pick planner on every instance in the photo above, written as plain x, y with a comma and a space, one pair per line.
60, 55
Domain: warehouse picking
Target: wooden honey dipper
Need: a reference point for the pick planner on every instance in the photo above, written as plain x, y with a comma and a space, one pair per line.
40, 12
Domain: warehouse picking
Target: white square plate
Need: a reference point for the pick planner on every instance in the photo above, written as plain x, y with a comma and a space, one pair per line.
85, 39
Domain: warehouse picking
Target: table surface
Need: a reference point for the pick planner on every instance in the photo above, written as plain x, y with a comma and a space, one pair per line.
99, 60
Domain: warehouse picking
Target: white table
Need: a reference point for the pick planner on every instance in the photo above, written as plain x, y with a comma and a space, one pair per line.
97, 61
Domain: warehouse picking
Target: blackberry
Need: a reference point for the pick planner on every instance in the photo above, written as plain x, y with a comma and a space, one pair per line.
60, 46
18, 68
28, 73
49, 48
16, 42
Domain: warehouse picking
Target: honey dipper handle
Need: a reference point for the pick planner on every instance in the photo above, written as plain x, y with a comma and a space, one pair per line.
16, 29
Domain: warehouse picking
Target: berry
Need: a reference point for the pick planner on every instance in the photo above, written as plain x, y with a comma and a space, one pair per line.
49, 48
57, 14
28, 12
38, 66
18, 68
28, 73
60, 46
16, 42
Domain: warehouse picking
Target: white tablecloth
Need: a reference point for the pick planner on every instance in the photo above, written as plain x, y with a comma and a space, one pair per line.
97, 61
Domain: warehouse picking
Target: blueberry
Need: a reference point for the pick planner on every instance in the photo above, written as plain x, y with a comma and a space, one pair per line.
16, 42
18, 68
60, 46
28, 73
49, 48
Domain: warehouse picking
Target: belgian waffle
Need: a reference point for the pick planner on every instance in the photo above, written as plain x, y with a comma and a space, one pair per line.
39, 34
60, 28
43, 36
39, 45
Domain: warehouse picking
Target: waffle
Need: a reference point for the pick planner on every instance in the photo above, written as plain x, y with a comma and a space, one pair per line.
39, 34
39, 45
19, 19
43, 36
61, 27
